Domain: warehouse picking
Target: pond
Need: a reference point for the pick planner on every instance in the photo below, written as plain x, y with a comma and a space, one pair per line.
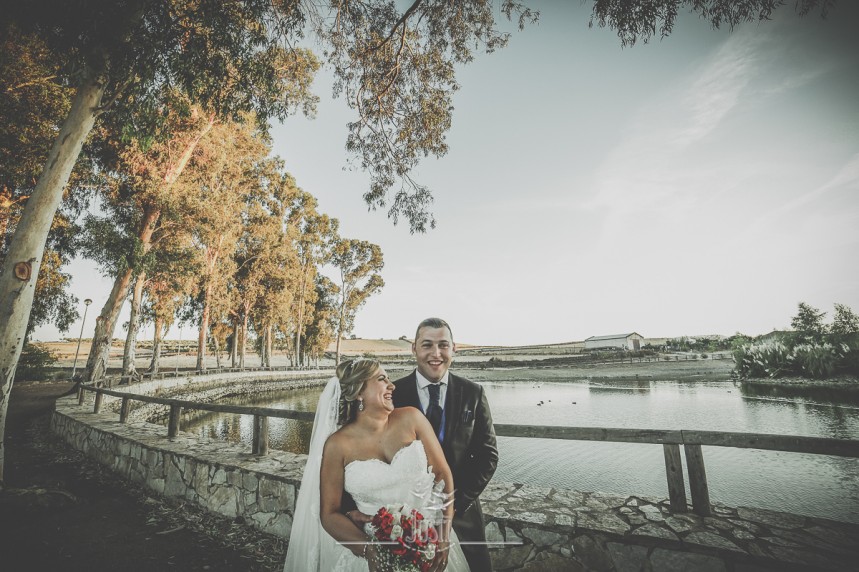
814, 485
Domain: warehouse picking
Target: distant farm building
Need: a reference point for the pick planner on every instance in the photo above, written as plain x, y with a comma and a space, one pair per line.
618, 341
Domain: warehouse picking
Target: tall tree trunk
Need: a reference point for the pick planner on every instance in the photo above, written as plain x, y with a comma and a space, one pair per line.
341, 320
217, 352
268, 344
97, 361
23, 259
234, 350
263, 346
96, 364
244, 347
131, 337
204, 328
300, 324
156, 346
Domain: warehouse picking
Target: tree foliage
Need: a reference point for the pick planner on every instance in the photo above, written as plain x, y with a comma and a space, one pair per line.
844, 320
397, 70
808, 322
359, 263
641, 20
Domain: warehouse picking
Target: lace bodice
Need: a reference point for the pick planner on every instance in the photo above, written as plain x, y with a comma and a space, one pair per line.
406, 479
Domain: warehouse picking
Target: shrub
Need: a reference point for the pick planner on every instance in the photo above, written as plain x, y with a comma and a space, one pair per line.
817, 361
762, 360
35, 363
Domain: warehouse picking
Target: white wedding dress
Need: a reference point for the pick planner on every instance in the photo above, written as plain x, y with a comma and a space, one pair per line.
372, 483
405, 480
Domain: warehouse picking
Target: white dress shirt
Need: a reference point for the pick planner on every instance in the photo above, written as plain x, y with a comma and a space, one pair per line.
423, 391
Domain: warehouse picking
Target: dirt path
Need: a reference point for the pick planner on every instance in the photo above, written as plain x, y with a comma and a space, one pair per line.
63, 511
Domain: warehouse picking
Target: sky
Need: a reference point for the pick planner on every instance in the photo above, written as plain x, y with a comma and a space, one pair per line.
705, 183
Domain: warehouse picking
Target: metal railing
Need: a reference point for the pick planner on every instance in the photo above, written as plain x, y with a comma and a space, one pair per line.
692, 440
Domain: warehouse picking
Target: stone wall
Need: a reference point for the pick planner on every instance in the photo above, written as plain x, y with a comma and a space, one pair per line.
533, 528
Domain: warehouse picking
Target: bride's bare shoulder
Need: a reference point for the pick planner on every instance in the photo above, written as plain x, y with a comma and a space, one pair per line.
337, 441
408, 414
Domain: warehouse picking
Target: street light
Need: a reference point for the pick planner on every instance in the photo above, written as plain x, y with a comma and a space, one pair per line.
87, 302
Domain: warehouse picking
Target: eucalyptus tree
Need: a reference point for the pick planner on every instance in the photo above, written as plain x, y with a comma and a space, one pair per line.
143, 185
172, 278
315, 234
225, 178
32, 104
320, 330
358, 263
267, 257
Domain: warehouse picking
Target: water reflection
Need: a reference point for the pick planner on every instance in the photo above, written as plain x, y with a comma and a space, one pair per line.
629, 387
284, 434
827, 395
815, 485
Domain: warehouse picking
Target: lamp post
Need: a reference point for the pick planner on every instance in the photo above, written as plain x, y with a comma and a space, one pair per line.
87, 302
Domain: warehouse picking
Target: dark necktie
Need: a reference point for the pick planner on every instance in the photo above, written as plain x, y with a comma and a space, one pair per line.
434, 410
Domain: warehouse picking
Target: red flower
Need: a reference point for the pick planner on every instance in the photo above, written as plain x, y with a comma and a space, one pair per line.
409, 548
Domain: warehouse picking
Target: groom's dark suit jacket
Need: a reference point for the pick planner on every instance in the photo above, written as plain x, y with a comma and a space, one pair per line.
471, 451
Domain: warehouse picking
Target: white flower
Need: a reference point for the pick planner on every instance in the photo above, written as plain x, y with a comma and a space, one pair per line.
429, 552
396, 531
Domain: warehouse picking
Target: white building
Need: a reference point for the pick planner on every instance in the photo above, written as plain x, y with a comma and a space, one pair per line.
617, 341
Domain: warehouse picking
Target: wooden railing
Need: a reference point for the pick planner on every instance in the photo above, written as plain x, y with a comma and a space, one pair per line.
670, 440
113, 380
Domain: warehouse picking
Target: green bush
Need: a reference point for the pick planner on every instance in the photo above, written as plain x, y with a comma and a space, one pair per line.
35, 363
817, 361
763, 360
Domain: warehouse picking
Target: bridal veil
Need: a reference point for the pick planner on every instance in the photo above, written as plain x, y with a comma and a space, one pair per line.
311, 549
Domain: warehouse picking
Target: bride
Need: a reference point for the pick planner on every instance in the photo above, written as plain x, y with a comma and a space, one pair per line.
382, 457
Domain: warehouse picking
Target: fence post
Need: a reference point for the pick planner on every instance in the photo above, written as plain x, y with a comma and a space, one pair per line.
260, 440
697, 480
173, 423
674, 473
98, 398
123, 411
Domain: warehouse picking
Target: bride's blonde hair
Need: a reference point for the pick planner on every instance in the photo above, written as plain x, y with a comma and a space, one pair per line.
353, 375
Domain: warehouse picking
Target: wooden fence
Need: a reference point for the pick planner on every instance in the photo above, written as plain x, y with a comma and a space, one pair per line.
670, 440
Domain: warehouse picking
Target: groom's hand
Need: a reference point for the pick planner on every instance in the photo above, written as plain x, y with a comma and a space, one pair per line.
358, 518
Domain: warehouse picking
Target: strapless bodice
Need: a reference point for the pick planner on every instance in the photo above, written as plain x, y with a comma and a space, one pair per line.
407, 479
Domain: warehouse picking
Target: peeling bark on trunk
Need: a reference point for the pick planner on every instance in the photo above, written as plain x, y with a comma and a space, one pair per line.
21, 266
131, 337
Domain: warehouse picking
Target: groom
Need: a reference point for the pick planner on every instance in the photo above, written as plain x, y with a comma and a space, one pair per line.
459, 412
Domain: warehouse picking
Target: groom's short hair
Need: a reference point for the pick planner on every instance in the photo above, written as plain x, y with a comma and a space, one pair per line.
433, 323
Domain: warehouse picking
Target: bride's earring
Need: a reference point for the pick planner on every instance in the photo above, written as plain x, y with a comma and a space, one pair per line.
360, 405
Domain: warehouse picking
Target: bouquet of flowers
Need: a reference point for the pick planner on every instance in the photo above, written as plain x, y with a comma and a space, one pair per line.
410, 541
